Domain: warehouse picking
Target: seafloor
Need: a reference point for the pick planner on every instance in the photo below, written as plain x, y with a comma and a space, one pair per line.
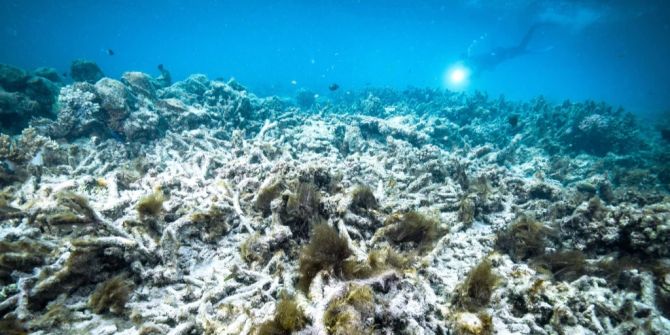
138, 206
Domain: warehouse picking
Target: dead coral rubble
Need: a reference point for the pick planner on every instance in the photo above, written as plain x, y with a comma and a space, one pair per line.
140, 207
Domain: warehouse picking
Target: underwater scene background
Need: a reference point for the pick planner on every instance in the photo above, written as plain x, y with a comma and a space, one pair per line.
615, 51
334, 167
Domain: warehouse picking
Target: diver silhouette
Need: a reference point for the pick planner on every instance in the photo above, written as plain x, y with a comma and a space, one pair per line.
489, 60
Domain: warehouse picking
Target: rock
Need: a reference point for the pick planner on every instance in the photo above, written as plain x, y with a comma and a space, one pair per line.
79, 113
47, 73
84, 70
24, 97
16, 110
141, 125
112, 94
305, 99
140, 83
113, 100
12, 79
8, 101
190, 91
43, 91
234, 84
196, 84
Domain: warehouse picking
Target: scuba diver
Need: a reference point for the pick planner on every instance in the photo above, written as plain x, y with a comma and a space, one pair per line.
489, 60
165, 79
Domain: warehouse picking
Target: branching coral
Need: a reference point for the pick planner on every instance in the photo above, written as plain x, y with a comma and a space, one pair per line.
22, 149
268, 192
466, 210
57, 314
214, 146
82, 265
75, 210
6, 210
21, 256
213, 222
233, 197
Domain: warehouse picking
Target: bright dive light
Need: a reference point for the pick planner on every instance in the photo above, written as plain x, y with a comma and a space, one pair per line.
457, 77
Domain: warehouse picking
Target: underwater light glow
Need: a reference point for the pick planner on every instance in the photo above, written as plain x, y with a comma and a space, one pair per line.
457, 77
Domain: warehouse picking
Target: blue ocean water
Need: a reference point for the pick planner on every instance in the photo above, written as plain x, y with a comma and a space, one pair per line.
616, 51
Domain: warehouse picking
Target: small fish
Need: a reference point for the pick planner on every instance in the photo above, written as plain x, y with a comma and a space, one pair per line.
160, 67
65, 74
110, 52
116, 136
333, 87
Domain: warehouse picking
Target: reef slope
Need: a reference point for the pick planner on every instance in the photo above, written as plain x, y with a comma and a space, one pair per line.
137, 206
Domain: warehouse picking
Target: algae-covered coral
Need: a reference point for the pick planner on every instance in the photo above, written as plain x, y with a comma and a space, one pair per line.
326, 250
143, 207
288, 318
111, 295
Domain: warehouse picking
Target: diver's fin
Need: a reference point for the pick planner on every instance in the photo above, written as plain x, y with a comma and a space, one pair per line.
526, 38
523, 45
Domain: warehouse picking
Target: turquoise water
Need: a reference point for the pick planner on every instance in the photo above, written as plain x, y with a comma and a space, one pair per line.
615, 51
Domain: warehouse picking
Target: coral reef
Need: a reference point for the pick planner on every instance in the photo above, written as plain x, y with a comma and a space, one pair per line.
141, 206
25, 95
85, 70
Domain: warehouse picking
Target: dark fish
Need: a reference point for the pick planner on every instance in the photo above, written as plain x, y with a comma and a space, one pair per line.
110, 52
665, 134
116, 136
65, 74
160, 67
513, 120
333, 87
